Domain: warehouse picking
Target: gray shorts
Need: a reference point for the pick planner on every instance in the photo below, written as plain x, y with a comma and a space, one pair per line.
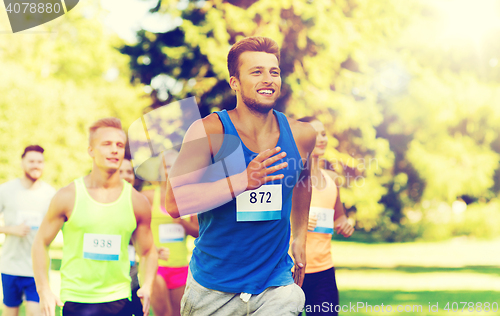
285, 300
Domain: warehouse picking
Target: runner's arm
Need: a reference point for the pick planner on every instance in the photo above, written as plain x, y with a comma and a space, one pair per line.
305, 137
190, 224
149, 194
192, 196
20, 230
341, 224
57, 214
143, 243
339, 208
188, 194
301, 200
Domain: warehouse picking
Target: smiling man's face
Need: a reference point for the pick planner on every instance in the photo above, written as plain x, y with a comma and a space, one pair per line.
259, 82
33, 164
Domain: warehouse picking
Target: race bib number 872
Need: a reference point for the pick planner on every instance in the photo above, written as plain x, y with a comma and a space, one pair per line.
262, 204
102, 247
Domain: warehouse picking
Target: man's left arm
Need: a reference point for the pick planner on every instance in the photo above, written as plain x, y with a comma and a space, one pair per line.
301, 199
190, 224
340, 222
144, 246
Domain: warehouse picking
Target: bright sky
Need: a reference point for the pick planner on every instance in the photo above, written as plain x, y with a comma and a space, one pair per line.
467, 19
126, 17
456, 24
461, 19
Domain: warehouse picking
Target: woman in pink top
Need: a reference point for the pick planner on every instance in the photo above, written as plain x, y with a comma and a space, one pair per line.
326, 214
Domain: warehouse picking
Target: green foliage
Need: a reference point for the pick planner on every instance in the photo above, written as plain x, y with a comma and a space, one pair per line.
411, 117
440, 119
325, 53
453, 167
480, 220
443, 131
53, 86
437, 220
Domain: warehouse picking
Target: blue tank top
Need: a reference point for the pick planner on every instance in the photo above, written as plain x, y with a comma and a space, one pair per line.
247, 257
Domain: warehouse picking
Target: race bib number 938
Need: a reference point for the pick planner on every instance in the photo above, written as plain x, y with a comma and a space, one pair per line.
102, 247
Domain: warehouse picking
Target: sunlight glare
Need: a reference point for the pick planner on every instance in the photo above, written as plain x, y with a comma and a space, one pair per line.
466, 19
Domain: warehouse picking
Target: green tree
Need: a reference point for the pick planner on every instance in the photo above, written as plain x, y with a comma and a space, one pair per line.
439, 102
325, 55
54, 83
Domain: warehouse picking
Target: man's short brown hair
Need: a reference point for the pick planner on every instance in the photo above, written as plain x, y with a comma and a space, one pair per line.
104, 122
32, 148
250, 44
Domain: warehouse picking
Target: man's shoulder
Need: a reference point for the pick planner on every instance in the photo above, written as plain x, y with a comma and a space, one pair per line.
7, 188
11, 184
67, 192
302, 126
140, 201
50, 189
212, 123
149, 193
303, 133
332, 174
64, 199
205, 126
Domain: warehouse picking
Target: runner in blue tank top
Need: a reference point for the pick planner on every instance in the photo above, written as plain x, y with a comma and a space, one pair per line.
240, 264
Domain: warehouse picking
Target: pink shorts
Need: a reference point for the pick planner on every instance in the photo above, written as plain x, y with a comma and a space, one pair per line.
174, 277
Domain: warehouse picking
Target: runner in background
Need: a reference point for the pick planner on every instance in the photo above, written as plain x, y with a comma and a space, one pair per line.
326, 214
170, 239
23, 201
127, 174
98, 215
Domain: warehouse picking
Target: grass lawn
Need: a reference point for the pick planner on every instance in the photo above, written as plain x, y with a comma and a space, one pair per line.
414, 276
418, 274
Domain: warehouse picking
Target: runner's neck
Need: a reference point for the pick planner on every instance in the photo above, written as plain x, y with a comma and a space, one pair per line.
317, 179
29, 183
102, 179
252, 124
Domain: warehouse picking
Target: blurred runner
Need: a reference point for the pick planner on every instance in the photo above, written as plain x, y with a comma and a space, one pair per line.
98, 215
23, 201
170, 239
127, 174
326, 213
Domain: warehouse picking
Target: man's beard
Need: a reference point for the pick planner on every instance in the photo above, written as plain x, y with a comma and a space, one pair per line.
30, 177
255, 105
